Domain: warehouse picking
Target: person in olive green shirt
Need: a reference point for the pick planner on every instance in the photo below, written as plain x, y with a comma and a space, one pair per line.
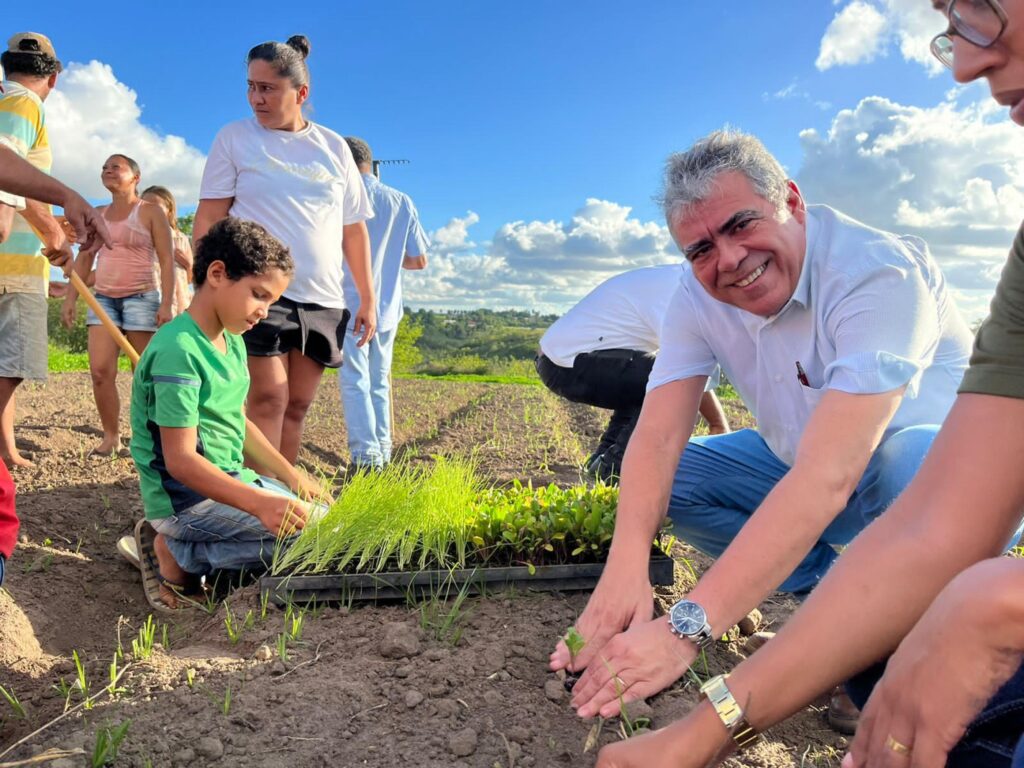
206, 508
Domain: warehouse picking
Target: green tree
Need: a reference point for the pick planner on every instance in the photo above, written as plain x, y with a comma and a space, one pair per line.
185, 223
406, 354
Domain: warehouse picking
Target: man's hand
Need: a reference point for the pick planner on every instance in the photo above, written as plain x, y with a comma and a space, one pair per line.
281, 515
620, 600
365, 323
62, 258
695, 742
941, 676
638, 663
86, 221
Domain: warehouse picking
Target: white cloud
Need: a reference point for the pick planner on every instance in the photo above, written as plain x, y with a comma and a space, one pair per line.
862, 31
92, 114
543, 265
953, 174
855, 35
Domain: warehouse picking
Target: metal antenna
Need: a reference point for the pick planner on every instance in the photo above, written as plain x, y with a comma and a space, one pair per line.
378, 163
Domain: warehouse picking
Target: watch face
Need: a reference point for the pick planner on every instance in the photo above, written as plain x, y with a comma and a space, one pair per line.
687, 617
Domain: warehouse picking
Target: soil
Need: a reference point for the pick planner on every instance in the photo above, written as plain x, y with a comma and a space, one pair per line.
429, 685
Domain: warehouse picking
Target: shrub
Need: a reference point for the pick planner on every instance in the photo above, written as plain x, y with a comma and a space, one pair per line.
75, 339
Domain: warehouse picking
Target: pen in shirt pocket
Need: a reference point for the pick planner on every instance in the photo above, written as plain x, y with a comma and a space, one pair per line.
801, 375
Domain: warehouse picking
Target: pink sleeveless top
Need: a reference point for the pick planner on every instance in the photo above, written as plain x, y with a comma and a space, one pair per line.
127, 268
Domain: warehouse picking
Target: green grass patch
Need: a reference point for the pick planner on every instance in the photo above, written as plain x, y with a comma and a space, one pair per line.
61, 360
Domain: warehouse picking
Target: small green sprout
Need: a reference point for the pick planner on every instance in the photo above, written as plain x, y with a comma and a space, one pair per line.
16, 706
142, 646
81, 683
574, 642
190, 677
282, 647
108, 741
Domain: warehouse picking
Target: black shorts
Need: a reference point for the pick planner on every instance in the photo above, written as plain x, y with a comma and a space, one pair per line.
317, 332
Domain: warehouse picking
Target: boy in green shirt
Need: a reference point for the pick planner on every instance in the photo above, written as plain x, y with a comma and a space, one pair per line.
206, 510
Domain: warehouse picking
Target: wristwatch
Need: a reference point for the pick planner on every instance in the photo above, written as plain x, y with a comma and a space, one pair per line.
688, 620
729, 711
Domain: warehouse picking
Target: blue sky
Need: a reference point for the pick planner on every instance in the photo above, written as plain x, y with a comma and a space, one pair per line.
536, 131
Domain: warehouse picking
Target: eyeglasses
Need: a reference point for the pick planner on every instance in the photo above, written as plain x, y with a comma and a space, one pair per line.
979, 22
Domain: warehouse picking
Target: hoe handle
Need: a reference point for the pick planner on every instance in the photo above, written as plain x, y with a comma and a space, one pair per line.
94, 305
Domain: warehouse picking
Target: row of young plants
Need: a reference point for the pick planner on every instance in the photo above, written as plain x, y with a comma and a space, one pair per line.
443, 516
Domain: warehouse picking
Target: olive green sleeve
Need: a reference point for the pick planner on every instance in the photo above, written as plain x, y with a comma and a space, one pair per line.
997, 363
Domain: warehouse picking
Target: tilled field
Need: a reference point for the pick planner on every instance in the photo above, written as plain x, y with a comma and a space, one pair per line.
358, 686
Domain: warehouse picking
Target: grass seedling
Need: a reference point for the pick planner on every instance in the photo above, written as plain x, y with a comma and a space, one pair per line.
190, 677
12, 700
294, 627
443, 615
142, 646
65, 690
250, 620
282, 647
108, 741
81, 683
165, 639
225, 705
264, 603
234, 632
112, 687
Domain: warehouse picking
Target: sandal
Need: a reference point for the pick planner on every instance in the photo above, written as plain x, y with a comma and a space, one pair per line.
152, 581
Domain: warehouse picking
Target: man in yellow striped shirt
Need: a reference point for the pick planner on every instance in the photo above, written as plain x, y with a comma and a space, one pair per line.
28, 229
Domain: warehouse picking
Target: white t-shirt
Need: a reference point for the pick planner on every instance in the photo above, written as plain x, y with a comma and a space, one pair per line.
623, 312
302, 186
871, 313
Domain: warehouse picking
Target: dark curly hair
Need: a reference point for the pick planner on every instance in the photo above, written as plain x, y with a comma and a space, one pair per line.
245, 247
32, 64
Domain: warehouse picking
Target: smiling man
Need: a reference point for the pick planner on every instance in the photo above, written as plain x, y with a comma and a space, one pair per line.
844, 343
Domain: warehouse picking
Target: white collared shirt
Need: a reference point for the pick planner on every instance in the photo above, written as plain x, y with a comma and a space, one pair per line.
870, 314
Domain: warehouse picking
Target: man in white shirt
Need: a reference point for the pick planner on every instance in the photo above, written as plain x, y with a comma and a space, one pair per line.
846, 346
601, 353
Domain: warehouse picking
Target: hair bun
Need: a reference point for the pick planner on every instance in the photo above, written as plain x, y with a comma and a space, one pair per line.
300, 43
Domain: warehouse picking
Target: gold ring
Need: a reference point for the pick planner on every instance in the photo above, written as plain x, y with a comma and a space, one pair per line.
897, 746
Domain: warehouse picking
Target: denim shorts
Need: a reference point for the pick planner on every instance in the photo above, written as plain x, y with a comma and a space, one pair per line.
23, 352
129, 313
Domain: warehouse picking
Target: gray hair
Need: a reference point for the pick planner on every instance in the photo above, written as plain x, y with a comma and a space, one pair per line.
690, 175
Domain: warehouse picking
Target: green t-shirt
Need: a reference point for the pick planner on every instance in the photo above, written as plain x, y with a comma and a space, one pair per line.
183, 380
997, 363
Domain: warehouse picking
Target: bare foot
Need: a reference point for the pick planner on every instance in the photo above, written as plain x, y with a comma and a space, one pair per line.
17, 460
108, 447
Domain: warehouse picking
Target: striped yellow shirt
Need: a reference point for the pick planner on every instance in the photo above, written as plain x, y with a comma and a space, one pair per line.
23, 268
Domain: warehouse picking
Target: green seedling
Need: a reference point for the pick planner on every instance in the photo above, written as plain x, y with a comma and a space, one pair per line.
282, 647
249, 621
190, 677
443, 615
81, 683
264, 604
65, 690
165, 639
108, 741
112, 687
234, 632
12, 700
142, 646
294, 627
574, 642
225, 705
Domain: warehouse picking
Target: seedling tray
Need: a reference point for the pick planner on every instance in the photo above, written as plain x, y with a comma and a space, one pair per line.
357, 587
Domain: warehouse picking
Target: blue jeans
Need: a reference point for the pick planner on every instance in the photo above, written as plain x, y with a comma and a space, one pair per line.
366, 397
212, 536
722, 480
129, 313
995, 739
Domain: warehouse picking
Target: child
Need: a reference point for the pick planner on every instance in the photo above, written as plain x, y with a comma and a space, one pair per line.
205, 510
162, 197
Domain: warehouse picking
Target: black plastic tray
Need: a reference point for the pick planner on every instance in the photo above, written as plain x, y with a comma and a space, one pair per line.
355, 587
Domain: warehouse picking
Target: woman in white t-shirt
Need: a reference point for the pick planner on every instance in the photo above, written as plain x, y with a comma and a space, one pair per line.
299, 181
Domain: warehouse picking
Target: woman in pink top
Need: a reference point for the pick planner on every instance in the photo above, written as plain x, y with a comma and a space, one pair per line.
137, 297
182, 247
